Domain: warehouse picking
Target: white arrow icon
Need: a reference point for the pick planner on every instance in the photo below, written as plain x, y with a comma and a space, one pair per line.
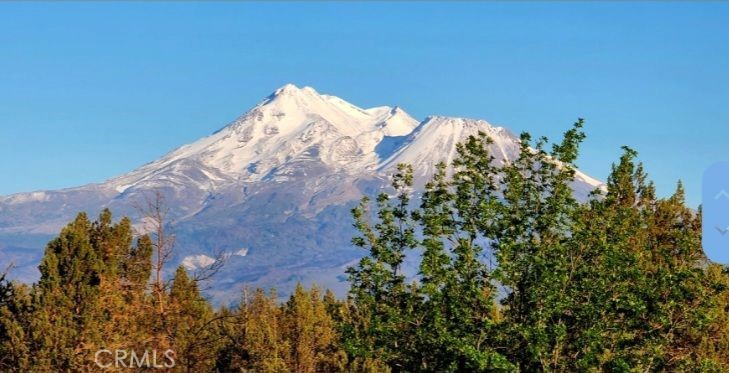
723, 193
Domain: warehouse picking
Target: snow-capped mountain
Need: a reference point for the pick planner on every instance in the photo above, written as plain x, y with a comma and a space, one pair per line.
435, 139
279, 181
292, 125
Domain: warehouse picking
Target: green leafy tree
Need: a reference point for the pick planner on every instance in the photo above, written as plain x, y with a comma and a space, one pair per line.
456, 327
530, 243
383, 301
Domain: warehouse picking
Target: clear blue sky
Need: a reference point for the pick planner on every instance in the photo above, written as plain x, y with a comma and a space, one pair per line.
91, 90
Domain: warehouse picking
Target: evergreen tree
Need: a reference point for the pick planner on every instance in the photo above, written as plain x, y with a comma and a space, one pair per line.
615, 283
310, 332
263, 341
63, 324
712, 352
84, 301
14, 314
193, 337
646, 297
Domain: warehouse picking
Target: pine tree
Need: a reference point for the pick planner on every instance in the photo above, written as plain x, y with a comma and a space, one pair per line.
193, 337
616, 283
640, 299
85, 300
309, 330
712, 352
605, 272
124, 279
231, 354
263, 341
63, 325
681, 295
14, 313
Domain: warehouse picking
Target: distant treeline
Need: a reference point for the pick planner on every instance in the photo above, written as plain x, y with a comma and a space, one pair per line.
617, 283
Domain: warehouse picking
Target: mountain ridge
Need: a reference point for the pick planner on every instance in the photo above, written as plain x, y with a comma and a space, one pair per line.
276, 183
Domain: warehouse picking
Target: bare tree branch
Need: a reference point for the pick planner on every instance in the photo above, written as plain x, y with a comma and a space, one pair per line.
204, 274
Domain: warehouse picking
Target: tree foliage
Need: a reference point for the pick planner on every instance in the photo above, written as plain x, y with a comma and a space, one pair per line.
514, 274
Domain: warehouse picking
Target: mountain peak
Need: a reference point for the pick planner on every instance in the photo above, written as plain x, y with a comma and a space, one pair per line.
290, 89
438, 122
295, 129
293, 163
435, 140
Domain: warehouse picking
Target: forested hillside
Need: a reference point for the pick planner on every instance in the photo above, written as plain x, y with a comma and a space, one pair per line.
516, 275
